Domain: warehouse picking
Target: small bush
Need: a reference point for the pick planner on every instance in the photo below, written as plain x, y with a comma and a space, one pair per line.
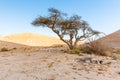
75, 51
4, 49
58, 46
85, 49
14, 48
107, 53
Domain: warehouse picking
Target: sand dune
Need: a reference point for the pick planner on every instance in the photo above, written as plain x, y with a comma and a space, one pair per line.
32, 39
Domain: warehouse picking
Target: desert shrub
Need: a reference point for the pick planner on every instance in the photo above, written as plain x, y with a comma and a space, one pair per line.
14, 48
107, 53
4, 49
116, 50
96, 47
64, 50
57, 46
116, 57
85, 49
75, 51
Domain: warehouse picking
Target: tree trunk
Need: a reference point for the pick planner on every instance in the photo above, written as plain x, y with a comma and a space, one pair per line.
71, 47
75, 43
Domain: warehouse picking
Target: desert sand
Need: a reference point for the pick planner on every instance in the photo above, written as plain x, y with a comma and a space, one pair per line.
32, 39
51, 63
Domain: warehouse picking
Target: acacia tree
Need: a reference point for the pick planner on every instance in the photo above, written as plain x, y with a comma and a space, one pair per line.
70, 30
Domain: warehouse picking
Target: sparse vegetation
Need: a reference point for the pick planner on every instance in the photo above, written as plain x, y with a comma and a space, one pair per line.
107, 53
85, 49
14, 48
11, 53
116, 57
51, 64
4, 49
117, 51
96, 47
57, 46
75, 51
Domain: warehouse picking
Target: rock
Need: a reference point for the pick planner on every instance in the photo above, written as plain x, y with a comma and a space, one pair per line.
91, 60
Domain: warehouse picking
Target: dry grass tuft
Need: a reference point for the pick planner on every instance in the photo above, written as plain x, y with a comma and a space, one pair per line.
51, 64
107, 53
4, 49
116, 50
116, 57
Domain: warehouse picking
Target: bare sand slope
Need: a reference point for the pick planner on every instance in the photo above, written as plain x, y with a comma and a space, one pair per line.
32, 39
112, 39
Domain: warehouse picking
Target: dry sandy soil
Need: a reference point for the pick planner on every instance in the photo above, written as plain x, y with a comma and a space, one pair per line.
53, 64
38, 63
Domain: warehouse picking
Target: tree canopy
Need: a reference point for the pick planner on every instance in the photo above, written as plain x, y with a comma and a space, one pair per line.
69, 29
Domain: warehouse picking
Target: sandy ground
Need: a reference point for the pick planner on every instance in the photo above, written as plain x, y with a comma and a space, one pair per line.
52, 64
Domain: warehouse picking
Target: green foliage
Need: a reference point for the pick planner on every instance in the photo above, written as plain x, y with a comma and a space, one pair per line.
4, 49
75, 51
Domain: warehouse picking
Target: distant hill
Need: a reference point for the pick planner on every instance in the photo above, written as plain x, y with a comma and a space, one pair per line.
112, 39
32, 39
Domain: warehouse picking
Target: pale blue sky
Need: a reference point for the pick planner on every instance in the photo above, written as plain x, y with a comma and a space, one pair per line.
16, 15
